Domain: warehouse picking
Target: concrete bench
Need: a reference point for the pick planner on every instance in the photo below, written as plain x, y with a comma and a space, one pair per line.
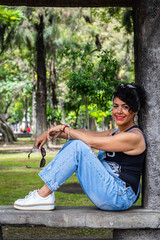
23, 135
136, 218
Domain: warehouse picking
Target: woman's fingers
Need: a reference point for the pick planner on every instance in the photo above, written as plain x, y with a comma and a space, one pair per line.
50, 134
54, 134
41, 144
41, 140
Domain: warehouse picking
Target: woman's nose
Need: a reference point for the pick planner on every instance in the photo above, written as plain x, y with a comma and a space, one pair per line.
119, 110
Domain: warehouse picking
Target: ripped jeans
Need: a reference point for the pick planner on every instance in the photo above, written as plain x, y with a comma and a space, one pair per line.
101, 185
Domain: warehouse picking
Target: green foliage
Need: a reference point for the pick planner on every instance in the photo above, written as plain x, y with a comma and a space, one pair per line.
15, 82
53, 115
93, 77
18, 109
70, 40
9, 21
16, 113
123, 15
92, 80
98, 114
106, 77
71, 117
10, 16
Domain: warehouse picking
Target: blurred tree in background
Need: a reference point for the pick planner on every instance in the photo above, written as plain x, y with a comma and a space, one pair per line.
63, 64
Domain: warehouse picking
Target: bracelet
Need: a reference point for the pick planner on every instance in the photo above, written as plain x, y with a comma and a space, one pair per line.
64, 128
69, 137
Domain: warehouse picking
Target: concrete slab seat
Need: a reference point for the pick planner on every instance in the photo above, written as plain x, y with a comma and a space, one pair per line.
82, 217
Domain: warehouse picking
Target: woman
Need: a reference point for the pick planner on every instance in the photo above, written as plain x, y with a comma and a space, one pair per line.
111, 180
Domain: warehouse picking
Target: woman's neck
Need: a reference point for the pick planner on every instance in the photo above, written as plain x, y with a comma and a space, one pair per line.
124, 128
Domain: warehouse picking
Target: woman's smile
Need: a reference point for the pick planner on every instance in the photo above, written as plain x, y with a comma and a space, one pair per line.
120, 117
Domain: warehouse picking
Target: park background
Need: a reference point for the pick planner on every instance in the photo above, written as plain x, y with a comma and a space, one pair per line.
58, 65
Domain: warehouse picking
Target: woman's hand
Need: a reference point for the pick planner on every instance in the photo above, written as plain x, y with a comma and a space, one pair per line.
54, 132
41, 140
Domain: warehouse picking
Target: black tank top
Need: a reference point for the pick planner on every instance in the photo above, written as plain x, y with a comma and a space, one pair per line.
127, 167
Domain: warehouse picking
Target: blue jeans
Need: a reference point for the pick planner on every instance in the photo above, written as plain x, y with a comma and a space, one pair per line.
101, 185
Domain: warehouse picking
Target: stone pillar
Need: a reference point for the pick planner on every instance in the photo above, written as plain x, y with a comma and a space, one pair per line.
136, 234
147, 65
147, 36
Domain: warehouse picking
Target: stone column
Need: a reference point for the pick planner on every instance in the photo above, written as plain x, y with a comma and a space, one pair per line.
147, 65
148, 75
137, 234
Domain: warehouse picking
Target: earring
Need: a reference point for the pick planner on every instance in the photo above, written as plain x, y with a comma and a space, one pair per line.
136, 119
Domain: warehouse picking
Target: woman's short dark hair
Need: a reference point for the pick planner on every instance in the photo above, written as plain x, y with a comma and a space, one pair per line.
132, 95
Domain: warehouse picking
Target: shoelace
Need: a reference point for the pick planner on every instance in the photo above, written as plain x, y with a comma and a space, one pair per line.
30, 193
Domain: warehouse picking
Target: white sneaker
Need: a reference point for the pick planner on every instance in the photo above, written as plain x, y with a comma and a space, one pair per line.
34, 202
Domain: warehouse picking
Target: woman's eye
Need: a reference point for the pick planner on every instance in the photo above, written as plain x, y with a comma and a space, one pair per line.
125, 107
115, 106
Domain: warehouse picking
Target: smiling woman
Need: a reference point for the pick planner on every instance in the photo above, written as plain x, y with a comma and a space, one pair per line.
112, 180
121, 113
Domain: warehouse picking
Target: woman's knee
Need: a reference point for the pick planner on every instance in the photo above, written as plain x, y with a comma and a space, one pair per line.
80, 144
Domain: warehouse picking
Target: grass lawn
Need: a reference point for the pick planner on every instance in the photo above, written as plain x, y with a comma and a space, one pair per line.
16, 180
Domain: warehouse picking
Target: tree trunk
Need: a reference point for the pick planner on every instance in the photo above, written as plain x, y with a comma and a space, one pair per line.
41, 118
61, 105
34, 108
92, 123
25, 115
53, 82
86, 113
7, 132
97, 40
77, 115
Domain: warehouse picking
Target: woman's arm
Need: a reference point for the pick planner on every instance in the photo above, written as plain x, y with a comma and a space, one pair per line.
58, 131
129, 142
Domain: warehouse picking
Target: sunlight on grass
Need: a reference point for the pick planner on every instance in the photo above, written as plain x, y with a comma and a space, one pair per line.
18, 161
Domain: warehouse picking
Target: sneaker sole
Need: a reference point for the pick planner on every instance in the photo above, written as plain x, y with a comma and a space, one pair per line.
48, 207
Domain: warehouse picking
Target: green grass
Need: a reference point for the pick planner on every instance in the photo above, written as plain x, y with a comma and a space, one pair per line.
16, 181
49, 233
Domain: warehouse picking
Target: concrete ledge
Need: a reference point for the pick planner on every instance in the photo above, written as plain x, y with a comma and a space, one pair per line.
23, 135
82, 217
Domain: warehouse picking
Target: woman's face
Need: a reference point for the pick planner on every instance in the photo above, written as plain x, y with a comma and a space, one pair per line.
121, 113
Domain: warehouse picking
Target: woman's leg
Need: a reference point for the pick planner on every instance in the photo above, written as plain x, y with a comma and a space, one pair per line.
101, 187
44, 191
